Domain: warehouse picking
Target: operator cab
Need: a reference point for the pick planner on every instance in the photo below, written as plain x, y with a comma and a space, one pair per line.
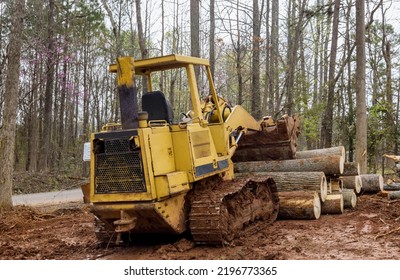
188, 109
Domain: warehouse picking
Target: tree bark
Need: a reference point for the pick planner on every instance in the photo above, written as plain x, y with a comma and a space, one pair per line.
333, 151
212, 37
327, 122
371, 183
195, 32
361, 105
333, 204
352, 183
391, 187
295, 181
295, 30
142, 41
255, 73
349, 199
351, 169
48, 103
274, 79
300, 205
330, 165
393, 195
7, 131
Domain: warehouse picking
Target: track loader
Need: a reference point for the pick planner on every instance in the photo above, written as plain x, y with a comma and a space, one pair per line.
152, 174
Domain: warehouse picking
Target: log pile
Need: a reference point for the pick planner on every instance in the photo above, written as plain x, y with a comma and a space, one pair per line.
392, 190
315, 182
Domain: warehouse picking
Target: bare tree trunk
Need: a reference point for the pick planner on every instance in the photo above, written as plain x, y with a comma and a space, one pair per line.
361, 121
7, 131
327, 122
48, 103
142, 41
212, 37
267, 93
349, 89
115, 28
33, 133
389, 123
162, 78
61, 117
274, 88
255, 77
195, 32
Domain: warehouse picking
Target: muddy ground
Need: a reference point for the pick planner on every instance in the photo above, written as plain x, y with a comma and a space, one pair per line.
371, 231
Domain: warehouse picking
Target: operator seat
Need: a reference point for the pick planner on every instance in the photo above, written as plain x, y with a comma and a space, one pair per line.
157, 106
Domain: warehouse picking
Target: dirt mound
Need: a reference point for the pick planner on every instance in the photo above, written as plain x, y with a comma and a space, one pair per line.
371, 231
28, 233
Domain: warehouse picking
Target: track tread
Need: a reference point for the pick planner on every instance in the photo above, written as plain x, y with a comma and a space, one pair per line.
212, 216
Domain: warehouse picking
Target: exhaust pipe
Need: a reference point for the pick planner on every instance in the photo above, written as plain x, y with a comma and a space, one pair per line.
127, 93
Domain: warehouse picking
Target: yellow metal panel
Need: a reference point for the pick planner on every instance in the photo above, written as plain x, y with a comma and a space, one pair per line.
182, 150
203, 149
162, 187
145, 66
172, 211
147, 160
178, 182
125, 70
220, 137
194, 94
201, 144
162, 153
171, 184
241, 118
165, 216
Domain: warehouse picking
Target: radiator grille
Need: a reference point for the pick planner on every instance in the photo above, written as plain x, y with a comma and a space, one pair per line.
119, 168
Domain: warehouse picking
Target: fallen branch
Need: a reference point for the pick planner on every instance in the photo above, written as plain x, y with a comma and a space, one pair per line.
387, 233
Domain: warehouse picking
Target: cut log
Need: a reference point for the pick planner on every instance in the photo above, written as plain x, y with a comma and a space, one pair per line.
349, 198
351, 169
393, 195
333, 204
391, 187
352, 183
330, 165
299, 205
371, 183
335, 184
295, 181
333, 151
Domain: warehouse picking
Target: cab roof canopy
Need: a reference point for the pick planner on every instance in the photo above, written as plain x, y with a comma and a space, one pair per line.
148, 65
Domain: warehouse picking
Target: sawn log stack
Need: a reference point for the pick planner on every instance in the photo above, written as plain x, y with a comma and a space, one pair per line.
314, 182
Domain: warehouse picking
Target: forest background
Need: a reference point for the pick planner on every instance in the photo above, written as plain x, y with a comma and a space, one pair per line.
272, 57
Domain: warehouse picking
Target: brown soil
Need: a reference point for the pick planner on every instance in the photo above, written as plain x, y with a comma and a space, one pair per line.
371, 231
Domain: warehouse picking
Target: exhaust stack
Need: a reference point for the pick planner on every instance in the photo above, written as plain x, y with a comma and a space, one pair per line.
127, 93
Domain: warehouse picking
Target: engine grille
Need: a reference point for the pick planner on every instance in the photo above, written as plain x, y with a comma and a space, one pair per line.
119, 168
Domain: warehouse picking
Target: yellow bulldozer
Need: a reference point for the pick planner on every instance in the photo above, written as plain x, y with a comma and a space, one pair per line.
154, 174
